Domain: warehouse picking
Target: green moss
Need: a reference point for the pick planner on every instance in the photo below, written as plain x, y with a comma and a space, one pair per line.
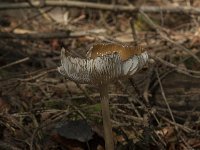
93, 108
56, 104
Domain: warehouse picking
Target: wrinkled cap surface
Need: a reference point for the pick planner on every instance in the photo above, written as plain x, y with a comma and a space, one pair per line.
105, 63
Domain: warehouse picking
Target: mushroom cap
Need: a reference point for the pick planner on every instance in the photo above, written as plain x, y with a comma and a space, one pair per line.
124, 51
106, 62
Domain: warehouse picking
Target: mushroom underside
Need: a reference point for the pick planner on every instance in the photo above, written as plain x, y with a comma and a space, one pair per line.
102, 69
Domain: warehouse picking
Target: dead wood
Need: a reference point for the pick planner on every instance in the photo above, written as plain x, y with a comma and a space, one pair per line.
49, 35
107, 7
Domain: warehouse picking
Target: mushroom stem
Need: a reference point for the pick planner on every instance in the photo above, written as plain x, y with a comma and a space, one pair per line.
109, 143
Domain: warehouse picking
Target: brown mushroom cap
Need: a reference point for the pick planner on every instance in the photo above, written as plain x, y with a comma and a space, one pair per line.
125, 52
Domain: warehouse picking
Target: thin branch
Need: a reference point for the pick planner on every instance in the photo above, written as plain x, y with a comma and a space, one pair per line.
28, 36
89, 98
38, 75
166, 63
14, 63
160, 30
184, 128
164, 97
66, 34
129, 99
132, 24
30, 18
108, 7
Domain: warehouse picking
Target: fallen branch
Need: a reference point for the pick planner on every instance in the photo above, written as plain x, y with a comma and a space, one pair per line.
29, 36
100, 6
14, 63
164, 97
67, 34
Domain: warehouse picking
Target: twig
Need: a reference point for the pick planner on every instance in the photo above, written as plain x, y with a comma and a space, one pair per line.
14, 63
169, 72
165, 37
139, 95
79, 112
66, 34
147, 85
29, 18
132, 24
35, 132
174, 66
14, 77
96, 95
186, 72
170, 111
164, 97
132, 96
5, 35
91, 101
183, 114
38, 75
184, 128
138, 120
108, 7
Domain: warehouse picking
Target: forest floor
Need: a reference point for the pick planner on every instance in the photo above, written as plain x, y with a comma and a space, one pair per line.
158, 108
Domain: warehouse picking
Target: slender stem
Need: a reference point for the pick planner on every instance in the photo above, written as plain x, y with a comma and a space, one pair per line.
109, 143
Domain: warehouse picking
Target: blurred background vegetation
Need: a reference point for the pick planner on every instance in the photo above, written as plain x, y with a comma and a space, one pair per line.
158, 108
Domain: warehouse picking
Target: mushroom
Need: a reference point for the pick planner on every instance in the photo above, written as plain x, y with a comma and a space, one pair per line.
106, 62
